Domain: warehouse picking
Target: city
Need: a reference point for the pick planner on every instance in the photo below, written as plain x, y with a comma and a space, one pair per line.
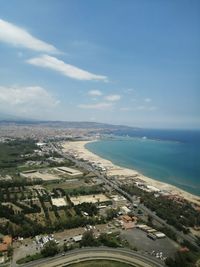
51, 196
99, 133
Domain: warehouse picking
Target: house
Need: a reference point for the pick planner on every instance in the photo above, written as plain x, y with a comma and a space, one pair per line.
5, 242
126, 218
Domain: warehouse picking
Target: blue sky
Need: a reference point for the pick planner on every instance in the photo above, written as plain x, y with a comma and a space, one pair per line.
123, 62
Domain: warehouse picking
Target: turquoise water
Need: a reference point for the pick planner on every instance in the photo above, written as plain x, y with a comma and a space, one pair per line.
176, 163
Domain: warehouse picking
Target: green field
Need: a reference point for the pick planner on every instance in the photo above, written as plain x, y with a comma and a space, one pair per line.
11, 155
63, 185
100, 263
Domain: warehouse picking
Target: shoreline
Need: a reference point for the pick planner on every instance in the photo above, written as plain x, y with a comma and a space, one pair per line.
79, 150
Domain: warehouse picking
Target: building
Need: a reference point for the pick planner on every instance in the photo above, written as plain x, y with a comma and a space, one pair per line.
118, 201
77, 238
159, 235
69, 171
126, 218
153, 189
128, 222
5, 242
125, 210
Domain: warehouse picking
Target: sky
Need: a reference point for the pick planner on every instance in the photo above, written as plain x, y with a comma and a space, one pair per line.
131, 62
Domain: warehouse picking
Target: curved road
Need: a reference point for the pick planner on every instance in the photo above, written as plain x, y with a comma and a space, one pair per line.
123, 255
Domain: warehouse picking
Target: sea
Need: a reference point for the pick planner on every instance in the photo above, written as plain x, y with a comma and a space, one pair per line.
170, 156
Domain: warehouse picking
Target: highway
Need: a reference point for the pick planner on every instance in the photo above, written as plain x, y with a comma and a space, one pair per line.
115, 186
123, 255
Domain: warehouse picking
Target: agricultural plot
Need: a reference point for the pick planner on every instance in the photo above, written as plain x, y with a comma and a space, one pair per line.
65, 185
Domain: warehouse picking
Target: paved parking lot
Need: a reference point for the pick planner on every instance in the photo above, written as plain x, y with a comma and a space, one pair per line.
29, 246
139, 239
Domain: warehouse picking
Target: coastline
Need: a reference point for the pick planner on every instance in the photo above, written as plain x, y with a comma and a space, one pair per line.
79, 150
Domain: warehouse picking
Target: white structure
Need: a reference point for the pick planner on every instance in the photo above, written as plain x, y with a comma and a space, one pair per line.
40, 144
77, 238
153, 188
125, 210
69, 171
159, 235
118, 201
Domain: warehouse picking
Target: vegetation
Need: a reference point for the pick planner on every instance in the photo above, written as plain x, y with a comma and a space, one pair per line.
50, 249
181, 215
29, 258
89, 208
88, 240
28, 211
183, 259
84, 190
111, 213
11, 152
104, 239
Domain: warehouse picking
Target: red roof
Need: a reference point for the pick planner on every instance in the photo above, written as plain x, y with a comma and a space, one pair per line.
184, 249
7, 241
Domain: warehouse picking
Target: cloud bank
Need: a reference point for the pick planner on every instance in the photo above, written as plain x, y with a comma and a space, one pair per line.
19, 37
113, 98
95, 93
46, 61
99, 106
29, 100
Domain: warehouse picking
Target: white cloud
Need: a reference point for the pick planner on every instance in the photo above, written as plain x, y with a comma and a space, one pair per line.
125, 109
147, 100
100, 106
113, 98
146, 108
68, 70
153, 108
19, 37
28, 100
140, 108
95, 93
129, 90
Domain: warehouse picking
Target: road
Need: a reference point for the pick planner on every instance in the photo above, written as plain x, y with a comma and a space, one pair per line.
115, 186
84, 254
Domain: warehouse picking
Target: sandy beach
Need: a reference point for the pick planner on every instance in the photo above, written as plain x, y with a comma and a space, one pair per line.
79, 150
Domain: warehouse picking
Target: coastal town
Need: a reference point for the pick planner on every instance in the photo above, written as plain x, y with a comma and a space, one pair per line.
57, 196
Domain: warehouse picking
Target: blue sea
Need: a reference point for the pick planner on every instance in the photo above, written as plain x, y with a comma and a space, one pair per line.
171, 156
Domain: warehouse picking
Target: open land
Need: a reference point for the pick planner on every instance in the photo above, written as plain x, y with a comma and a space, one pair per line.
89, 198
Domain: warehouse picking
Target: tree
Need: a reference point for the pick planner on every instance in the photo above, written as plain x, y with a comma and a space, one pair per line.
111, 213
10, 251
107, 240
88, 239
50, 249
184, 259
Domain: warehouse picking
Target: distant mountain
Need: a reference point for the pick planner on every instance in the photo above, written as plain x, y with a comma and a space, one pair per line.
9, 119
82, 125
